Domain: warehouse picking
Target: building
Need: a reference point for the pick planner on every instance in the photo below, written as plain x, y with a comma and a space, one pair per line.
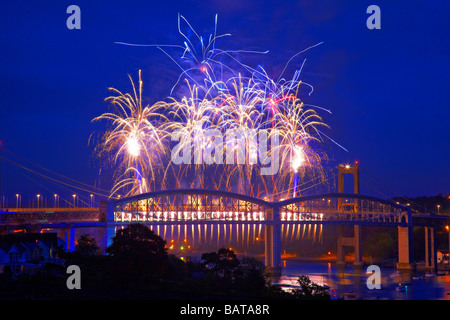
27, 253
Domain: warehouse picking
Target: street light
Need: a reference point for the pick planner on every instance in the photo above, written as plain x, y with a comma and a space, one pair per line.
74, 196
438, 206
56, 196
17, 200
38, 196
92, 196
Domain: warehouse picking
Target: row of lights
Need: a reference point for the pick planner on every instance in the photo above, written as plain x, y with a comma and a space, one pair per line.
437, 206
56, 196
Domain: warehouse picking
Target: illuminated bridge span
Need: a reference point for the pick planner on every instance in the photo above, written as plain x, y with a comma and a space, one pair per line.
202, 206
191, 206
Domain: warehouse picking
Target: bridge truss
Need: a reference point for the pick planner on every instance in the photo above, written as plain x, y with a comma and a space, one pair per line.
191, 206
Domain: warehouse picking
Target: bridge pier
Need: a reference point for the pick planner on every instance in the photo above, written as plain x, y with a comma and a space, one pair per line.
430, 250
272, 242
354, 242
67, 234
405, 248
109, 214
406, 245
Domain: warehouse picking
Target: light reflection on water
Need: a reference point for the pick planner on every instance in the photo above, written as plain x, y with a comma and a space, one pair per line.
248, 239
350, 282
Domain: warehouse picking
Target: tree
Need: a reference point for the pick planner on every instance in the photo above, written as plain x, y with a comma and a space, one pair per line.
309, 290
136, 239
226, 274
87, 246
250, 277
223, 261
137, 249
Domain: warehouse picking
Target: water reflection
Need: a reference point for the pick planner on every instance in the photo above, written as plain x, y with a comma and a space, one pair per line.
196, 238
350, 283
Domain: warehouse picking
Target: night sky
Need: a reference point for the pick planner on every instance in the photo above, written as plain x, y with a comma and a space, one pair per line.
387, 89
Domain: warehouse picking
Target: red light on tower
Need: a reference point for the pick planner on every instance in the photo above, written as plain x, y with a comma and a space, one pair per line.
356, 162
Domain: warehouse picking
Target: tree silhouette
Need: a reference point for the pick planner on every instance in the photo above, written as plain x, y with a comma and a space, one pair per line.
137, 249
309, 290
87, 246
224, 260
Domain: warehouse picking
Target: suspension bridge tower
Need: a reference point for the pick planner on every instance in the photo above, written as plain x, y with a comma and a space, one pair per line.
355, 240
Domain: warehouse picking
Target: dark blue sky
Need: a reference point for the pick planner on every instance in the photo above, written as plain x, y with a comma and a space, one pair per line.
387, 89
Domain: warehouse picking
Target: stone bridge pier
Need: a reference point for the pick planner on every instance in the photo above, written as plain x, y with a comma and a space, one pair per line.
354, 242
272, 243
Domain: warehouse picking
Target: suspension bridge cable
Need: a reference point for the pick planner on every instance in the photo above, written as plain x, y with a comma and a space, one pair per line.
53, 172
393, 192
52, 191
50, 178
317, 184
43, 186
306, 182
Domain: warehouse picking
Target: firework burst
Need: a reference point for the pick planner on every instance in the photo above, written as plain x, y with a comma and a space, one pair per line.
220, 99
135, 140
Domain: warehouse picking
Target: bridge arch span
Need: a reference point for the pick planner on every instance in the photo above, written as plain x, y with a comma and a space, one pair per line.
190, 206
